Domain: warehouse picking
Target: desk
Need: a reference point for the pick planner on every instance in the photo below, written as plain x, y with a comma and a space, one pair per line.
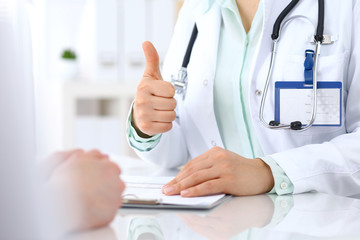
304, 216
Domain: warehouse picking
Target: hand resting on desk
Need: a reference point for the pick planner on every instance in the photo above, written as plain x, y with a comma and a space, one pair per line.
221, 171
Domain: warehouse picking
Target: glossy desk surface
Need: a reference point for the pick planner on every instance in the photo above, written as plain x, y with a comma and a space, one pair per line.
303, 216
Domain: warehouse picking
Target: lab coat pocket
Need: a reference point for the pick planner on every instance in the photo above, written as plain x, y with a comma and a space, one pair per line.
330, 68
318, 135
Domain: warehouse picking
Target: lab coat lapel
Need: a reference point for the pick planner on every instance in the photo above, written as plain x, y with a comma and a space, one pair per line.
202, 68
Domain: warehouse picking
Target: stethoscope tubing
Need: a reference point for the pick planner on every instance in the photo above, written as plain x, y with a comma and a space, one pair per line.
266, 88
276, 36
270, 71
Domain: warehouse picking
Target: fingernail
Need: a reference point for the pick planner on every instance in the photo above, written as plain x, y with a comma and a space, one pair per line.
163, 187
184, 193
168, 189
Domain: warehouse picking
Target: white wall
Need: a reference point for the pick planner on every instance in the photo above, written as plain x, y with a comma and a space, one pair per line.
144, 20
107, 33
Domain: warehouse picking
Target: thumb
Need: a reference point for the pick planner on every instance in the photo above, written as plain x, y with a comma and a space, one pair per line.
152, 61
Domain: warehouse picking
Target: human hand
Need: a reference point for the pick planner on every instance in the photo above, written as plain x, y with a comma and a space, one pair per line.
47, 167
221, 171
154, 105
87, 190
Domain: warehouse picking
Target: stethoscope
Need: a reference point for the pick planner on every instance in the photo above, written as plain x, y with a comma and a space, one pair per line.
181, 82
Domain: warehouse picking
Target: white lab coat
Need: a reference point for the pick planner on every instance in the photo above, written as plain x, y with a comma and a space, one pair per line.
324, 159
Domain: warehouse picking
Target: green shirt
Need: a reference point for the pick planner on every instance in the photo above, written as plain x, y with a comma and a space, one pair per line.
231, 101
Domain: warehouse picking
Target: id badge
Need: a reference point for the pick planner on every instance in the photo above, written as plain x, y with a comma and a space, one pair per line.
294, 102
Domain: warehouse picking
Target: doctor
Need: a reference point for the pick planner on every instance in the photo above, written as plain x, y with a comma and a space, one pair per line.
218, 134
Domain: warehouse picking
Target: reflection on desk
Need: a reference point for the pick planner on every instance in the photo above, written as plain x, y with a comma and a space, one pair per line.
304, 216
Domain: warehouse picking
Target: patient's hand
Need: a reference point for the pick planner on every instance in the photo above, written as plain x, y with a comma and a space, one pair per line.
85, 187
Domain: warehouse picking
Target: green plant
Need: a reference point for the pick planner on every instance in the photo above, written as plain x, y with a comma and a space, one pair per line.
68, 54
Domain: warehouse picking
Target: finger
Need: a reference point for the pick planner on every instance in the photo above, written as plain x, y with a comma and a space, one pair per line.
152, 61
152, 128
114, 167
161, 89
189, 168
59, 157
67, 154
163, 116
48, 166
77, 152
194, 179
198, 163
153, 88
163, 104
155, 116
97, 154
63, 155
122, 184
214, 186
121, 188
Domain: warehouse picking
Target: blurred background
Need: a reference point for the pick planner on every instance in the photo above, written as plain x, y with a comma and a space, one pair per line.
88, 60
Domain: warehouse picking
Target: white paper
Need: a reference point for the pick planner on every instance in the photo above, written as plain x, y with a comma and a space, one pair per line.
149, 188
297, 104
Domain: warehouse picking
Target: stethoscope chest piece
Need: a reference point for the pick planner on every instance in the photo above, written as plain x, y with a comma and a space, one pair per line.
180, 82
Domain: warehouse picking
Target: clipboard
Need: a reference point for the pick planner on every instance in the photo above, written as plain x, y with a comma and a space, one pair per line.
145, 193
158, 204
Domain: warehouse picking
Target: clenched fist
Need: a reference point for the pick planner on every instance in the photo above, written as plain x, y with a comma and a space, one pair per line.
154, 106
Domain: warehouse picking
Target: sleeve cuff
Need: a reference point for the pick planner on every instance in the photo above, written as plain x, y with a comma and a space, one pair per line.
137, 142
282, 183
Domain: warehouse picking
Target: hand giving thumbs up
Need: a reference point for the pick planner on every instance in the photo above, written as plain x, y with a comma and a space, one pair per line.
154, 105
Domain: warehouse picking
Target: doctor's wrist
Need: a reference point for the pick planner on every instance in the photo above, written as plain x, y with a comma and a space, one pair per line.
266, 175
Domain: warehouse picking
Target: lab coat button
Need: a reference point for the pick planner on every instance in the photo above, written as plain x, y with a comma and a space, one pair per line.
205, 82
213, 143
258, 92
283, 185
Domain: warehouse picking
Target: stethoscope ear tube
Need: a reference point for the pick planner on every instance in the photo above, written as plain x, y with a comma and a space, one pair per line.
319, 37
190, 47
276, 29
